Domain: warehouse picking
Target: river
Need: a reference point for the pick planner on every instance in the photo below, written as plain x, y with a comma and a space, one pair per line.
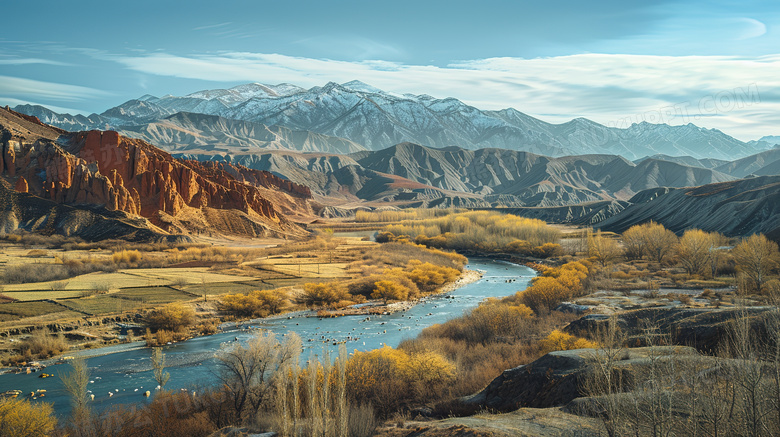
125, 370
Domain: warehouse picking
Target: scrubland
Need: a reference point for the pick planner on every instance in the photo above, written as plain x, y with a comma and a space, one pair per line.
266, 387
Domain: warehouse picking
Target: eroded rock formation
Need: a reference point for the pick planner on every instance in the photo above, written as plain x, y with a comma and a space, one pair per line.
122, 174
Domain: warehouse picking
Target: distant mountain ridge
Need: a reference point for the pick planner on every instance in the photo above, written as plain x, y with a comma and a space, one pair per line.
376, 119
735, 208
486, 176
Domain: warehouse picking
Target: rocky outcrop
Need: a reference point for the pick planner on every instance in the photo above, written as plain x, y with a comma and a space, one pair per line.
120, 174
705, 329
556, 378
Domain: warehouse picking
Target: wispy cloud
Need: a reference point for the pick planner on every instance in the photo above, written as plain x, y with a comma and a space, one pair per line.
17, 86
598, 86
10, 101
753, 28
27, 61
213, 26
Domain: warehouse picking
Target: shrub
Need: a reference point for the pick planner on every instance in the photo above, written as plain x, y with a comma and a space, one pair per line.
389, 290
172, 317
428, 277
388, 377
209, 327
547, 250
561, 341
255, 303
33, 272
40, 345
325, 294
553, 287
128, 257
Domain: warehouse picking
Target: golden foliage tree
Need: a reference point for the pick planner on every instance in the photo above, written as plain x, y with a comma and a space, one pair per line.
603, 249
387, 377
694, 249
255, 303
487, 231
493, 319
650, 239
757, 258
389, 290
20, 418
171, 317
633, 242
324, 294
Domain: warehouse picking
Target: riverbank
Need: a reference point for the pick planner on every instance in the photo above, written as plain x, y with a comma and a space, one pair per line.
374, 308
192, 363
370, 308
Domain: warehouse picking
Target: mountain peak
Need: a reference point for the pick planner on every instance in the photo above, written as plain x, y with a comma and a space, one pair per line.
356, 85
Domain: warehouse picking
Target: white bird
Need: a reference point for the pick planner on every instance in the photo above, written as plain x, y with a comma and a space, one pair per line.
110, 394
91, 397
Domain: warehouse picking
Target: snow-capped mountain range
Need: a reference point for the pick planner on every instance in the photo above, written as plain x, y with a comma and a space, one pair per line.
375, 120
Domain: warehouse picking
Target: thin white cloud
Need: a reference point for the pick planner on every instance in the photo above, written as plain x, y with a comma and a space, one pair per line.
753, 28
213, 26
10, 101
605, 88
27, 61
17, 86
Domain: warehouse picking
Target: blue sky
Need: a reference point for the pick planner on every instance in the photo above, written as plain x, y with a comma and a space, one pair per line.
715, 64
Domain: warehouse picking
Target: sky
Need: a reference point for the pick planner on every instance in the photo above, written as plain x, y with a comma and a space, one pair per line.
715, 64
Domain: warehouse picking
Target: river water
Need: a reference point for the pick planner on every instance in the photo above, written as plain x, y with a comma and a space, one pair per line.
125, 370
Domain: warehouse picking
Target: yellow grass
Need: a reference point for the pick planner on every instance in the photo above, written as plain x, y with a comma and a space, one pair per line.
306, 268
193, 275
42, 294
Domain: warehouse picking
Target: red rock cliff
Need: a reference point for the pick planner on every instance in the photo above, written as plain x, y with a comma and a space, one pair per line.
103, 168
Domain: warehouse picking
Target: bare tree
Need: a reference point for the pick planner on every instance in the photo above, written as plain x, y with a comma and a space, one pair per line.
247, 371
604, 382
748, 372
158, 365
75, 382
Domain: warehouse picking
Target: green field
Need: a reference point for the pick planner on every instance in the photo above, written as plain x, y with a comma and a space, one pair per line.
18, 310
103, 304
153, 295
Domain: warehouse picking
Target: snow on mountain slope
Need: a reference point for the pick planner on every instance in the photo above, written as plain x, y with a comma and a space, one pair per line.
377, 119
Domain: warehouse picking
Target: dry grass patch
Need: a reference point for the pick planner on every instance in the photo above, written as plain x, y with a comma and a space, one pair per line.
219, 288
43, 294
